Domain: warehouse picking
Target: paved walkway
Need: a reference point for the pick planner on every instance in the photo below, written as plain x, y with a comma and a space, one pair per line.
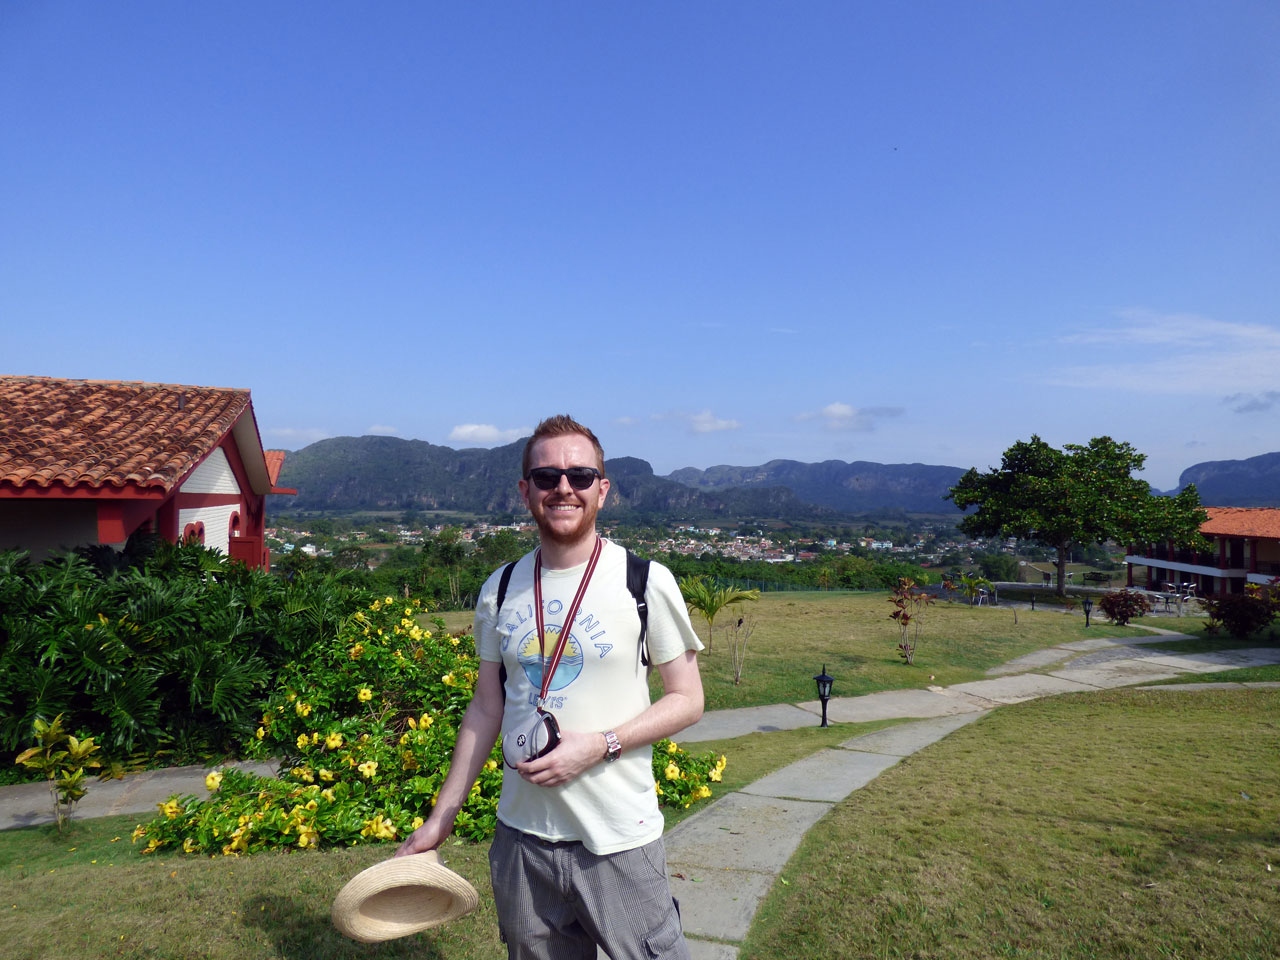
724, 859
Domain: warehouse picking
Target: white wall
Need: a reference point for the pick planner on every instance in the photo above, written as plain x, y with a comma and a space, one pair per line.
214, 475
216, 520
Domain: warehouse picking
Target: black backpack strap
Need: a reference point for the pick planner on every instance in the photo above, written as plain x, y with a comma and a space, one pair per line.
637, 582
503, 582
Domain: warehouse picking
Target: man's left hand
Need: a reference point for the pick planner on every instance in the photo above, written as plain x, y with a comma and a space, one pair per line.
574, 755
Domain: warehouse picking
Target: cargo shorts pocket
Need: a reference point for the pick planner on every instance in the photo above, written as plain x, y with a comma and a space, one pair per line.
667, 941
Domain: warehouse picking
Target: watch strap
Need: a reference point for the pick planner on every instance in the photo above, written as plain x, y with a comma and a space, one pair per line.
613, 749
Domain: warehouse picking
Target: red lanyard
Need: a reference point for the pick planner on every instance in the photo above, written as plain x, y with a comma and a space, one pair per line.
568, 620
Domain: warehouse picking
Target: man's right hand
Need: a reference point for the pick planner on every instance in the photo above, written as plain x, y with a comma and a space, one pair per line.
427, 837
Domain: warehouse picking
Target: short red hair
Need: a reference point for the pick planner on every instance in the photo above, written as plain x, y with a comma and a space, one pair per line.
560, 425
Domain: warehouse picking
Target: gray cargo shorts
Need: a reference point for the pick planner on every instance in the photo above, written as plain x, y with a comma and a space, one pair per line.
558, 900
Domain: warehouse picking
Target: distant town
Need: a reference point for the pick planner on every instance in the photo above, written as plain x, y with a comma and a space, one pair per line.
935, 544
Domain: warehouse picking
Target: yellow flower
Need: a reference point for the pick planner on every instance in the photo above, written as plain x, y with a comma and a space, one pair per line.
453, 640
356, 651
365, 695
704, 791
368, 768
658, 787
333, 740
308, 836
722, 762
302, 709
672, 772
213, 781
389, 600
714, 775
291, 696
138, 833
327, 794
417, 822
303, 741
408, 611
170, 809
447, 679
671, 747
189, 845
375, 606
304, 773
413, 724
377, 827
425, 721
260, 733
312, 805
326, 775
315, 738
491, 765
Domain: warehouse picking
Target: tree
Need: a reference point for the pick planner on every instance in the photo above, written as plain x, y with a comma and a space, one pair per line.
1077, 495
708, 598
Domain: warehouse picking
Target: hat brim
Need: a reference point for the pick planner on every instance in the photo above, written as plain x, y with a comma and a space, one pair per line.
401, 896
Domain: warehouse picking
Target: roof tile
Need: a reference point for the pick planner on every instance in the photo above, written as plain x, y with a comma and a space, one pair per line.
109, 432
1242, 522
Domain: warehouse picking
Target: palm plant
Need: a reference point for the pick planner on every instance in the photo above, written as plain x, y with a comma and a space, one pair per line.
707, 597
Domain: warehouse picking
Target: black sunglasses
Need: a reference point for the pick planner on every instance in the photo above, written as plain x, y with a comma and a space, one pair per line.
548, 478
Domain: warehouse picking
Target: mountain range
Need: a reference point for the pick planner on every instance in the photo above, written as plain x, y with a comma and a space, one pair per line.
363, 473
1254, 482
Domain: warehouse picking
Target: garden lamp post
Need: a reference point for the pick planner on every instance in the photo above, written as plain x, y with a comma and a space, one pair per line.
1088, 609
824, 691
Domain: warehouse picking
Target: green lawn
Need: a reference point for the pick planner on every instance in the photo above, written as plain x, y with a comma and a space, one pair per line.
1114, 824
1119, 824
851, 633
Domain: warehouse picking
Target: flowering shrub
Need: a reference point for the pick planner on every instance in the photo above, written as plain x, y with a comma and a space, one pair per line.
1242, 614
682, 779
1122, 605
365, 726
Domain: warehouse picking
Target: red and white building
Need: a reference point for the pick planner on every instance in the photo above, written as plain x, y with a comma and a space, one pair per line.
93, 461
1244, 548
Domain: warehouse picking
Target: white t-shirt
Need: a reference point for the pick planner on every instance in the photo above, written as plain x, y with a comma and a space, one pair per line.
599, 685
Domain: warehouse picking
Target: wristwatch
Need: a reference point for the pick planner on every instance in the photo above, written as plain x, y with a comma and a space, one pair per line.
613, 749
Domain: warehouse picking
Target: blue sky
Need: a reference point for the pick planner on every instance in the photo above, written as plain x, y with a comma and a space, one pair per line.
718, 232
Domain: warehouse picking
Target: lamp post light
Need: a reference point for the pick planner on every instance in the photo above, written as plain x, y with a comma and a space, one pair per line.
1033, 599
824, 691
1088, 609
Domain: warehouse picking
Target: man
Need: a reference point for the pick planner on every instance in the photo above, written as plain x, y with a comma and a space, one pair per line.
577, 859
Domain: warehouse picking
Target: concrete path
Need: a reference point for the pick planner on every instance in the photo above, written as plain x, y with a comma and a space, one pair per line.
724, 859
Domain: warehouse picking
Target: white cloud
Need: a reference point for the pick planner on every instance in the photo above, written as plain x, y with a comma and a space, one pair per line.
485, 434
707, 422
381, 430
297, 435
1144, 352
844, 417
625, 421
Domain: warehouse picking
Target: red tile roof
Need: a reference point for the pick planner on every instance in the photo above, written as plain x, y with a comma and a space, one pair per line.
1242, 522
275, 461
106, 432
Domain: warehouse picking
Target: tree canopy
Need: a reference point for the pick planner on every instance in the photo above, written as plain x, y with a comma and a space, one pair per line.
1081, 494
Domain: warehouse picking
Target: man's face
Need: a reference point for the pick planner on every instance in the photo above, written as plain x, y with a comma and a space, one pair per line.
565, 515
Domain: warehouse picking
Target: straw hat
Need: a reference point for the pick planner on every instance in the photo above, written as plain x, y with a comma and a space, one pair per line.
401, 896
